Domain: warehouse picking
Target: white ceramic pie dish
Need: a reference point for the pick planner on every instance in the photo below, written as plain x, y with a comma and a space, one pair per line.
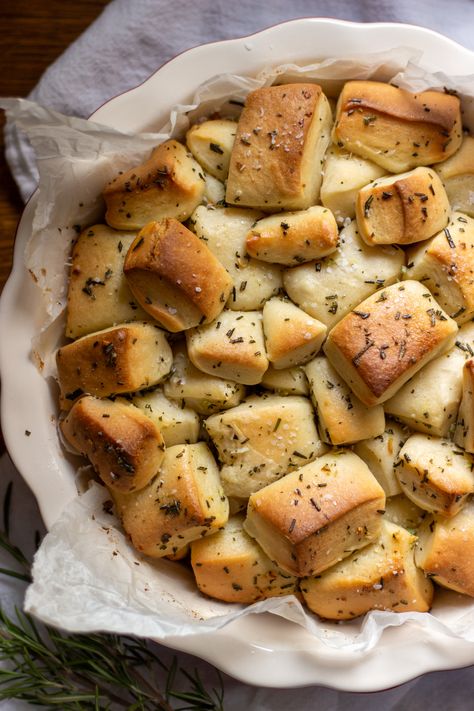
258, 649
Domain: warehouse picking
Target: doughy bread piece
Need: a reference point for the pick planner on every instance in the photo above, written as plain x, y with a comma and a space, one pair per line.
294, 237
389, 337
457, 174
182, 503
282, 135
123, 445
197, 390
444, 550
435, 474
464, 434
211, 144
339, 510
330, 288
381, 453
343, 418
262, 439
403, 512
395, 128
382, 576
231, 347
175, 277
292, 337
224, 231
344, 174
445, 265
178, 425
289, 381
230, 566
430, 400
402, 209
214, 191
121, 359
169, 184
98, 294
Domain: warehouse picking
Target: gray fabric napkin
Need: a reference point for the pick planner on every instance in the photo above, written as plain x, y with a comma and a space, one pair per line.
128, 42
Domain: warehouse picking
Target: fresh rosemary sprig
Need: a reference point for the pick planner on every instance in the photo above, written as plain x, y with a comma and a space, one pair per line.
100, 672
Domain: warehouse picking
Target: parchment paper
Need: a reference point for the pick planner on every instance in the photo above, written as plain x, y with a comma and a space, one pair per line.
86, 576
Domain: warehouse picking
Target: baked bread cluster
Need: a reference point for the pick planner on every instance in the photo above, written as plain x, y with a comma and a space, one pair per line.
270, 354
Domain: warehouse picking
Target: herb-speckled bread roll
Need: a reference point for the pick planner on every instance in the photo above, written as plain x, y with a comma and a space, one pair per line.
169, 184
175, 277
395, 128
182, 503
124, 446
282, 135
262, 439
177, 424
382, 576
339, 509
435, 474
294, 237
443, 550
211, 144
464, 433
231, 347
445, 265
457, 174
121, 359
402, 209
380, 453
98, 293
289, 381
403, 512
231, 566
387, 339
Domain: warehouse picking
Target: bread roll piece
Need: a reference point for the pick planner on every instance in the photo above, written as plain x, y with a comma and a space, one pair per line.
464, 434
289, 381
339, 509
177, 424
395, 128
443, 550
182, 503
230, 566
282, 135
294, 237
330, 288
402, 209
389, 337
231, 347
121, 359
343, 418
123, 445
211, 144
430, 400
445, 265
214, 191
457, 174
380, 453
292, 337
403, 512
203, 393
169, 184
382, 576
224, 231
435, 474
344, 174
98, 293
262, 439
175, 277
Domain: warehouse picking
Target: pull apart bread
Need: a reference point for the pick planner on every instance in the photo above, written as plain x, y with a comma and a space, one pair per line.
270, 363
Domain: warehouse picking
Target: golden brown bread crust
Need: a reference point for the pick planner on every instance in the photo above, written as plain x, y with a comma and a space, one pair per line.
169, 184
282, 132
404, 209
387, 339
120, 359
175, 277
124, 446
395, 128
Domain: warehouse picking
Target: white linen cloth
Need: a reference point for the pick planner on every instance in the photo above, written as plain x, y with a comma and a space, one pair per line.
123, 47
